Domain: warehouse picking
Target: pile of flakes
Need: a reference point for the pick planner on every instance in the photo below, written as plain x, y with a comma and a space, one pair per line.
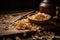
43, 36
6, 21
24, 24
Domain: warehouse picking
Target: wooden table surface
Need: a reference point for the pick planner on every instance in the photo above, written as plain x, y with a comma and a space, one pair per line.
9, 32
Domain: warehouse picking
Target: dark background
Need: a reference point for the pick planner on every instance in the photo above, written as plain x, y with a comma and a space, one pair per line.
13, 5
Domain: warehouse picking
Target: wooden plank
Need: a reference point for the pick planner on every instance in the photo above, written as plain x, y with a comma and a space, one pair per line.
10, 32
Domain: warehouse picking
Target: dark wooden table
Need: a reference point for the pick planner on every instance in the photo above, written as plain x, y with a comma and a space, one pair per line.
13, 33
17, 15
